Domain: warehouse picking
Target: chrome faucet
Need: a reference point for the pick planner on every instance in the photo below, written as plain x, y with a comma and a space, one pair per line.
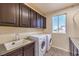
17, 36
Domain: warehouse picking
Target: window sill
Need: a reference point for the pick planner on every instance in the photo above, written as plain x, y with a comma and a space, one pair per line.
58, 33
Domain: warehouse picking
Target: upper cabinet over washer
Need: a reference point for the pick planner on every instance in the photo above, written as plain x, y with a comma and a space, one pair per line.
20, 15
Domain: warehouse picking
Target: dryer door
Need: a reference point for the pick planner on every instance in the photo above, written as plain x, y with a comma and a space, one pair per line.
50, 42
43, 47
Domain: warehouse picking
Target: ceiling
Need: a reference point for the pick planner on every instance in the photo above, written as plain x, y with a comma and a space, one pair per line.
50, 7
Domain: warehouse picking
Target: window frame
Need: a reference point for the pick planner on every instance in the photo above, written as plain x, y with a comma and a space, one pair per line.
58, 23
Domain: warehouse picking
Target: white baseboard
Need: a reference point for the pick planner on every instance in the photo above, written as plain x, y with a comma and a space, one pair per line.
61, 48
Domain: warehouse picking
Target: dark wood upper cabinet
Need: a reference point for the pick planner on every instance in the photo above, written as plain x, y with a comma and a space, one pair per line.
41, 21
24, 16
9, 14
38, 22
20, 15
33, 18
44, 22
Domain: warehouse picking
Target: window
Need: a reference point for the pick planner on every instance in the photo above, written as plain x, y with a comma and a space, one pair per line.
59, 24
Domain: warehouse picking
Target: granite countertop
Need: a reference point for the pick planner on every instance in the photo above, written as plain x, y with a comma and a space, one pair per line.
4, 51
75, 41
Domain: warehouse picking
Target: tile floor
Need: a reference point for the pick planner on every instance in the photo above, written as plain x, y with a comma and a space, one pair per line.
56, 52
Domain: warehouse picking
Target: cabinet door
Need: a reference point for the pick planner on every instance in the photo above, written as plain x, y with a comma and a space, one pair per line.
38, 23
9, 14
29, 50
71, 47
33, 18
24, 16
78, 52
44, 22
75, 52
17, 52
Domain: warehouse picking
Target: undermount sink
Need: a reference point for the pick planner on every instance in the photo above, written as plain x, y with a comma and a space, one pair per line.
13, 44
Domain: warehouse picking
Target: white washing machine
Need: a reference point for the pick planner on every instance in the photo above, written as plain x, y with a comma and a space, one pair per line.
40, 44
48, 41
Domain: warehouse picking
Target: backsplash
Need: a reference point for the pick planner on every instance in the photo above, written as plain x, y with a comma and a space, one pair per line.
6, 29
8, 33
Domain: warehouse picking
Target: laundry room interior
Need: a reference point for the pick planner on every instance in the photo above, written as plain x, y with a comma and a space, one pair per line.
39, 29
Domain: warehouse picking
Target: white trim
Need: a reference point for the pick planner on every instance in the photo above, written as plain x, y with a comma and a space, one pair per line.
59, 32
61, 48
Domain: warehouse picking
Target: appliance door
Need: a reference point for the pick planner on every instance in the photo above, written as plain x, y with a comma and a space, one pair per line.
43, 48
49, 42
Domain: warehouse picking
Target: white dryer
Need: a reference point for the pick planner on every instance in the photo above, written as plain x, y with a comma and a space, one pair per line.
40, 44
48, 41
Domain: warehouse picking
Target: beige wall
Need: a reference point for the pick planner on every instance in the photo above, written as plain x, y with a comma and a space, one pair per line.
8, 30
34, 8
61, 40
8, 33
